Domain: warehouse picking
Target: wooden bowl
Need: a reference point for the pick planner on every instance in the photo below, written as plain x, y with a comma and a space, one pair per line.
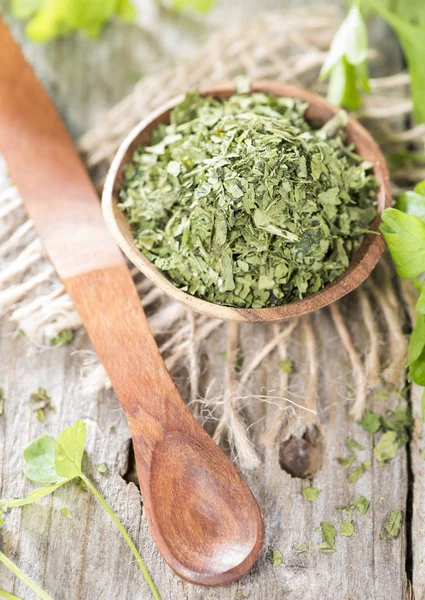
319, 110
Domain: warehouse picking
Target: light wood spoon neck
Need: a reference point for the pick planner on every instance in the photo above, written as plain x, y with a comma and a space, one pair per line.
202, 515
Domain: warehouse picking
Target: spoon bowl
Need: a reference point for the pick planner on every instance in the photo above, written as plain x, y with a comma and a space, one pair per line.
319, 111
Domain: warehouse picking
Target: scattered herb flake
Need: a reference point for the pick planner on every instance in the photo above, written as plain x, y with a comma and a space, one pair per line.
328, 537
64, 337
1, 401
262, 209
371, 421
275, 557
347, 528
39, 402
66, 513
285, 366
347, 461
357, 473
353, 445
310, 493
362, 504
102, 468
392, 527
386, 448
239, 360
303, 547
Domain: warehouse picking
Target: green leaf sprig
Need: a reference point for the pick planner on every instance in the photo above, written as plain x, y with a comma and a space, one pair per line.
18, 573
57, 462
346, 60
50, 19
403, 228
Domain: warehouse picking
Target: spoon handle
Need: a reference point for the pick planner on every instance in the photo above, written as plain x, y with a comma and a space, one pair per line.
202, 516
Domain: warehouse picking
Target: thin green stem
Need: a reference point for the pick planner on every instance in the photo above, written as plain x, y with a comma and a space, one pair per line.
29, 582
125, 535
8, 595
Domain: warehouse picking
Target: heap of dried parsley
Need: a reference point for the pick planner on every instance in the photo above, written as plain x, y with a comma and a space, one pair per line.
244, 203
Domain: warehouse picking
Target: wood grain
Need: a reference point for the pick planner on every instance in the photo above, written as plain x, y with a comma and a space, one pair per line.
214, 533
319, 110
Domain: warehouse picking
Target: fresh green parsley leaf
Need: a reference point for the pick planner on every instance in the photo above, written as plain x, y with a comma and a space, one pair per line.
40, 461
102, 468
420, 304
43, 457
347, 528
392, 527
328, 537
275, 557
65, 512
410, 31
411, 203
405, 237
310, 493
64, 337
59, 18
34, 496
285, 366
303, 547
200, 6
346, 62
371, 421
70, 450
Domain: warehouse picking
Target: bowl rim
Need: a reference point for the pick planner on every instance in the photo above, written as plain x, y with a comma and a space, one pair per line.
363, 261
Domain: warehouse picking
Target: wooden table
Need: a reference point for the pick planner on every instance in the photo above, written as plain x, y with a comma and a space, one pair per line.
85, 558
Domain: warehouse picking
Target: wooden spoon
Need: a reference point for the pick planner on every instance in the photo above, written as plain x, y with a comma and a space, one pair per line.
202, 516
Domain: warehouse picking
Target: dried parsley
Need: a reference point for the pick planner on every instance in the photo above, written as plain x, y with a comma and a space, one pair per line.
358, 472
39, 402
285, 366
303, 547
64, 337
392, 527
244, 203
102, 468
347, 528
310, 493
275, 557
328, 537
386, 448
362, 504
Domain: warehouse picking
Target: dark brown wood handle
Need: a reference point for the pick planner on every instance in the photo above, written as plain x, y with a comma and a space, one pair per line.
202, 516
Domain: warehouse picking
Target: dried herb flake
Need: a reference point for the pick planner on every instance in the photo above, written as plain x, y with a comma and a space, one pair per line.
328, 537
392, 527
310, 493
243, 203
